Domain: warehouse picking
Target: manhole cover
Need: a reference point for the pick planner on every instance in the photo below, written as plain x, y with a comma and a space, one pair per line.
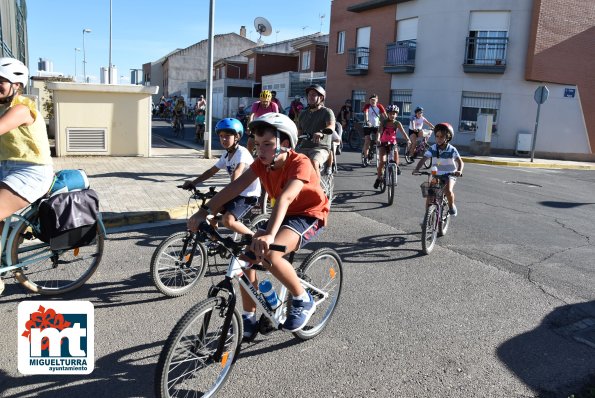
528, 184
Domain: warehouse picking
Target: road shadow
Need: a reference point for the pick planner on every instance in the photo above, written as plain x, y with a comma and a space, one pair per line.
564, 205
555, 359
124, 373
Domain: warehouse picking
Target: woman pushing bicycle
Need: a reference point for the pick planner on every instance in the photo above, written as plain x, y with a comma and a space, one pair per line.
300, 210
388, 138
447, 160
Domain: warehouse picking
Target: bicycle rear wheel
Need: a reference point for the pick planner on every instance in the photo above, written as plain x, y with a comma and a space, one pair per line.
428, 230
259, 222
175, 266
187, 365
55, 272
323, 269
391, 182
445, 218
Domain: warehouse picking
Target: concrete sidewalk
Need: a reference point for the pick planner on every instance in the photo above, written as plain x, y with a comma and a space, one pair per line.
135, 190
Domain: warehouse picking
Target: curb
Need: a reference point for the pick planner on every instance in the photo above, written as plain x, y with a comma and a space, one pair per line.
528, 164
149, 216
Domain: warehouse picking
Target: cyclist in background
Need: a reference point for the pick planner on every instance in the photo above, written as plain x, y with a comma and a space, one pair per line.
416, 124
374, 113
259, 108
390, 127
276, 101
236, 160
300, 211
345, 113
312, 121
448, 161
179, 110
199, 125
295, 108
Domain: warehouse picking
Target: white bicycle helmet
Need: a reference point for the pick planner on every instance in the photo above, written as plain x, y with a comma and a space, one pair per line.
14, 71
279, 122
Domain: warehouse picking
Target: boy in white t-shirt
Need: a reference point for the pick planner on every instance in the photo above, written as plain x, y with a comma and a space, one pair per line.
236, 161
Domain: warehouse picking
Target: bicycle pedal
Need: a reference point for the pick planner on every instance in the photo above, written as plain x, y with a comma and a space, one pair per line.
265, 326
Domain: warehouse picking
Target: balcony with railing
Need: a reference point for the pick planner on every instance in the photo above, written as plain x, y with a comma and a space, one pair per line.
485, 54
400, 57
357, 61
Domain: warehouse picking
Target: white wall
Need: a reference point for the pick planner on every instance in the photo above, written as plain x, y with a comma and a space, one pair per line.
438, 80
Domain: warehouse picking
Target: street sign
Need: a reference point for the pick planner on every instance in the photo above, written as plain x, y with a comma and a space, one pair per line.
540, 97
541, 94
569, 92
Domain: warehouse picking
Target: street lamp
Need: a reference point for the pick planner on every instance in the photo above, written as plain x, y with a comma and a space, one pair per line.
86, 30
76, 50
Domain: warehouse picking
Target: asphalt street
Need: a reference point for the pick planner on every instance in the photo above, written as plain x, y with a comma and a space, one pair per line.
496, 310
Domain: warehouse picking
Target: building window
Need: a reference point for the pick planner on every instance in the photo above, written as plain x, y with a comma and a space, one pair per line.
488, 37
474, 103
222, 74
341, 42
305, 60
251, 66
358, 100
402, 98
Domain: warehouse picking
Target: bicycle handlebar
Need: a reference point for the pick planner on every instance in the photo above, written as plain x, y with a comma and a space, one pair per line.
427, 173
234, 246
197, 194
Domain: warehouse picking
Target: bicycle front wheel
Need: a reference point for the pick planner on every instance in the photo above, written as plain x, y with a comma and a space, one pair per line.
259, 222
175, 266
188, 364
391, 183
54, 271
445, 218
428, 230
323, 269
428, 163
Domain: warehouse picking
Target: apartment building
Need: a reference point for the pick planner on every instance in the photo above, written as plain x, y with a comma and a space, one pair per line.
13, 30
474, 64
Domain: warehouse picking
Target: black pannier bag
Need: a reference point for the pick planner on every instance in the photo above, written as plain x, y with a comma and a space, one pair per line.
69, 220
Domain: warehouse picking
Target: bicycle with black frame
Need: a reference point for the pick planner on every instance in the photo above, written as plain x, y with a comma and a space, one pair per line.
182, 258
203, 347
437, 217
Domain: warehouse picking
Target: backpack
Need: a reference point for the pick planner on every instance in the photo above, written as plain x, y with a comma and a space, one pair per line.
69, 220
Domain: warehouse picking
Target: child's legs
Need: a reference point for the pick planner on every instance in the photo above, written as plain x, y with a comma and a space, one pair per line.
396, 153
381, 160
247, 303
449, 191
231, 222
282, 269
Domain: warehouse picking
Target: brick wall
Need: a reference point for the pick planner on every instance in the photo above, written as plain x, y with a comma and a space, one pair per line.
560, 50
266, 64
383, 24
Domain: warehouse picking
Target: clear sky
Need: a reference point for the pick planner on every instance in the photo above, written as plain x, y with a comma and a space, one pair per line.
145, 30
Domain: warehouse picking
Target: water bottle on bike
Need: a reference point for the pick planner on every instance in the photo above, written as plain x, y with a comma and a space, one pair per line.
269, 294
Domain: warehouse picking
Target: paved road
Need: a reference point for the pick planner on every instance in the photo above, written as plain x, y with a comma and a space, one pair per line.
487, 314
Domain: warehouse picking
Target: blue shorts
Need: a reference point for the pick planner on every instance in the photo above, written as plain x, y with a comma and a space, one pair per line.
306, 227
29, 180
240, 206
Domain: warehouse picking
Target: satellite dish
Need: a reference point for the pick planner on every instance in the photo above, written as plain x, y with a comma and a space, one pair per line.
262, 26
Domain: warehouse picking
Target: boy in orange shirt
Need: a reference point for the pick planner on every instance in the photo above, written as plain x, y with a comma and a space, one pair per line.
300, 210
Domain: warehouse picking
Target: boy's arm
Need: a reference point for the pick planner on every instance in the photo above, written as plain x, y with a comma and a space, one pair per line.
231, 191
429, 124
460, 166
203, 177
400, 127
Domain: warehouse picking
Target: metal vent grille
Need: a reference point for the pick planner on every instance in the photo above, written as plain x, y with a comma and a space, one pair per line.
86, 140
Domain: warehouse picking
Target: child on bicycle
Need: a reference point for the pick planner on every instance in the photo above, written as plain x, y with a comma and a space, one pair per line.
236, 161
448, 161
199, 125
416, 125
389, 127
300, 210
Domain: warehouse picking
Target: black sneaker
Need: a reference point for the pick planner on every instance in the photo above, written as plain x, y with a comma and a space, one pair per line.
377, 183
398, 171
250, 328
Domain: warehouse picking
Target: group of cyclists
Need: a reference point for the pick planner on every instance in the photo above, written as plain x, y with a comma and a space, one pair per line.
291, 177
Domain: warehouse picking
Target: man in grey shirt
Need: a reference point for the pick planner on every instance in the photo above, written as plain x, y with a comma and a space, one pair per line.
312, 121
